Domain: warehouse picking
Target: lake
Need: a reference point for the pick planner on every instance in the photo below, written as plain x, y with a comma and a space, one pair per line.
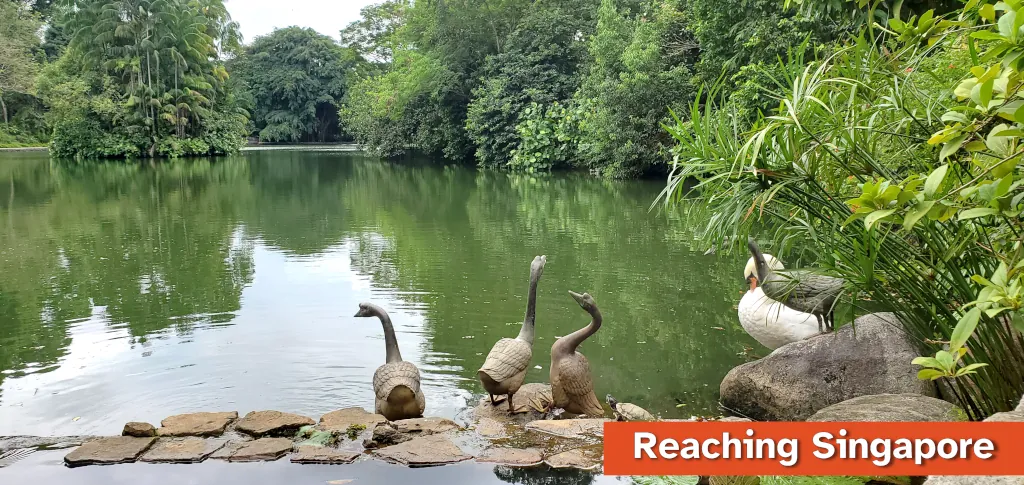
136, 291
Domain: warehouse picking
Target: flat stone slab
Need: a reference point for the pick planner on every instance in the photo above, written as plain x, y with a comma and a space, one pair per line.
425, 426
182, 450
891, 408
9, 443
324, 456
526, 403
511, 456
569, 428
429, 450
341, 419
263, 449
491, 428
276, 423
580, 459
139, 430
196, 424
108, 451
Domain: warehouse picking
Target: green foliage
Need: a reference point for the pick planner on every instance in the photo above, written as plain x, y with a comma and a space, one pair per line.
20, 57
893, 165
143, 78
296, 78
548, 137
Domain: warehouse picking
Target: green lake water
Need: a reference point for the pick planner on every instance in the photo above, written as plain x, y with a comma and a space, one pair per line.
132, 292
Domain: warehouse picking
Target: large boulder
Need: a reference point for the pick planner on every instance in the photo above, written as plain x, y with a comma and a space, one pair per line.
1015, 416
891, 408
872, 356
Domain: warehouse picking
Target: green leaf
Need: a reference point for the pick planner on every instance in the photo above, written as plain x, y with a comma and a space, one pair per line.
934, 180
988, 12
964, 329
930, 362
945, 359
930, 374
874, 217
977, 212
916, 213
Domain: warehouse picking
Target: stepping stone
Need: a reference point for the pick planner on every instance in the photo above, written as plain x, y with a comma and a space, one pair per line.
491, 428
196, 424
341, 419
139, 430
227, 450
425, 426
526, 403
429, 450
324, 456
108, 451
580, 458
263, 449
511, 456
276, 423
182, 450
569, 428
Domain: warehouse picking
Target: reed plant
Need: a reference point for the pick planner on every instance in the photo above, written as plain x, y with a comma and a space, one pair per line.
893, 162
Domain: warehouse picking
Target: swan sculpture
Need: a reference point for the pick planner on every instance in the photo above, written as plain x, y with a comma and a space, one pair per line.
771, 323
505, 368
396, 383
801, 290
572, 387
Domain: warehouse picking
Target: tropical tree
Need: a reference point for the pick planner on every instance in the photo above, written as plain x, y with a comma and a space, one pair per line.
18, 48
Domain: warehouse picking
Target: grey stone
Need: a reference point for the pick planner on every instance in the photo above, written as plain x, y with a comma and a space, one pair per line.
196, 424
108, 451
581, 458
569, 428
324, 456
511, 456
891, 408
386, 434
182, 450
872, 356
428, 450
139, 430
342, 419
273, 423
491, 428
263, 449
527, 404
425, 426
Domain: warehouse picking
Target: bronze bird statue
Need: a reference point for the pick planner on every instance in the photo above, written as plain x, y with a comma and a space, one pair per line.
396, 384
505, 368
572, 387
801, 290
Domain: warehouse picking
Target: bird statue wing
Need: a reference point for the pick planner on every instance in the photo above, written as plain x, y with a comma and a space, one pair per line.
574, 376
801, 285
390, 376
508, 358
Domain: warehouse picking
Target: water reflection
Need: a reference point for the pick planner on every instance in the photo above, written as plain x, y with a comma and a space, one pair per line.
135, 291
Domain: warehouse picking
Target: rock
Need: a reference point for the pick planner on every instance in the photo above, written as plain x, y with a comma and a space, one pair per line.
139, 430
797, 380
182, 450
9, 443
891, 408
311, 436
386, 434
196, 424
263, 449
580, 458
342, 419
569, 428
274, 423
511, 456
324, 456
425, 426
526, 402
429, 450
108, 451
491, 428
227, 450
1014, 416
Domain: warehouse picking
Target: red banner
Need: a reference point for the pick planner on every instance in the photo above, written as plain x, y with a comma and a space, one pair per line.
813, 449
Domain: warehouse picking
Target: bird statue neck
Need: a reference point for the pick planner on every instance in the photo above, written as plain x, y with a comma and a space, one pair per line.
390, 342
527, 332
759, 262
570, 342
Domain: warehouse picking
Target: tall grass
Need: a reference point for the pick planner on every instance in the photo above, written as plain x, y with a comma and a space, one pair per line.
862, 115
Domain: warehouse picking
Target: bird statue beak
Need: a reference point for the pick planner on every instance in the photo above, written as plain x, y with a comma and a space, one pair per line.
576, 296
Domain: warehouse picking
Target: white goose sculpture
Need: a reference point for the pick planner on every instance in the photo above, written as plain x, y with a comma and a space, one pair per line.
770, 322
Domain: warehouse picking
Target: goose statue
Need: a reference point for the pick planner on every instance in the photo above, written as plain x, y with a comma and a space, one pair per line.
505, 368
396, 384
572, 386
802, 290
771, 323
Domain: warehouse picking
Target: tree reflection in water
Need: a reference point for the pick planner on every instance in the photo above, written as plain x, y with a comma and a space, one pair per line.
543, 475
